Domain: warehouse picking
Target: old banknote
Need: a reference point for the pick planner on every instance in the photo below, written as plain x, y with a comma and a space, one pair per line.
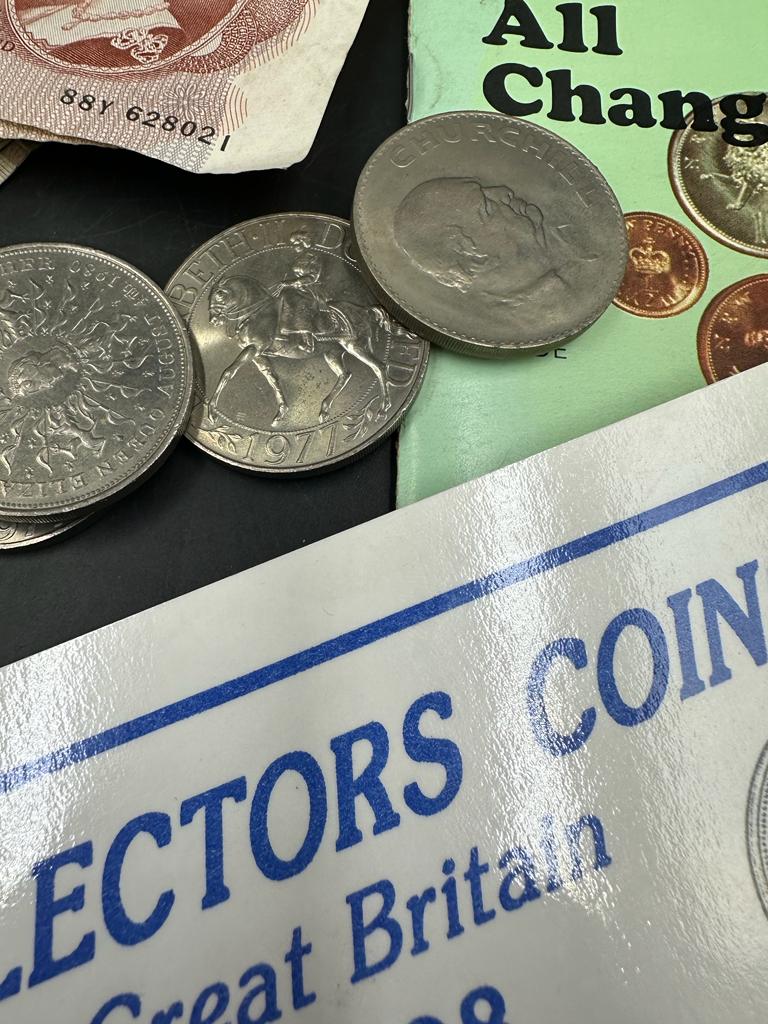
10, 130
208, 85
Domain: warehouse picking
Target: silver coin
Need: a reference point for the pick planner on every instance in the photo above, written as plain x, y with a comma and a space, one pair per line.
488, 234
14, 536
95, 380
723, 188
298, 369
757, 827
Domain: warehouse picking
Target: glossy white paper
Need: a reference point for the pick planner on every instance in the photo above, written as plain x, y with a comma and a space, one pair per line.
632, 860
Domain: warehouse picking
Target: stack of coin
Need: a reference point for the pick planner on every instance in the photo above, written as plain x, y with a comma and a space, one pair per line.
95, 385
309, 335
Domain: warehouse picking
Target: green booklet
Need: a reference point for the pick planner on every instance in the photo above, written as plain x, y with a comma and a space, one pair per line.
613, 80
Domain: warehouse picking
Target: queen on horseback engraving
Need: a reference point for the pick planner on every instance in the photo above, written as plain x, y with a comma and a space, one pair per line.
304, 315
295, 321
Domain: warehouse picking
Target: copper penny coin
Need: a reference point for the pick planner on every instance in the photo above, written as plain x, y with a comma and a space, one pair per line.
733, 333
667, 271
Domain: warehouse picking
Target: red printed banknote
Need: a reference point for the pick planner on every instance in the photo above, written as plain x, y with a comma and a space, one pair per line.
208, 85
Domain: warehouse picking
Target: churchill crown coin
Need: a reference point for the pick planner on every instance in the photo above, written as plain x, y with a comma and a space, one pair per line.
299, 369
488, 234
95, 380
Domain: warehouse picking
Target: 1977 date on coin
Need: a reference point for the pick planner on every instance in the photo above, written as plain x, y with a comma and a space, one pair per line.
153, 119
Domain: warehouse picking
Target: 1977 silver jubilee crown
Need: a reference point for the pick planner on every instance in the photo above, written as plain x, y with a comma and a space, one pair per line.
488, 234
95, 380
298, 367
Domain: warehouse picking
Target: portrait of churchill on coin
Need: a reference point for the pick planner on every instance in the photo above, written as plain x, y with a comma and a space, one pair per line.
482, 240
122, 35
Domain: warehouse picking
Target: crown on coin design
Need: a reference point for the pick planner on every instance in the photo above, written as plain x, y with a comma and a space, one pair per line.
647, 260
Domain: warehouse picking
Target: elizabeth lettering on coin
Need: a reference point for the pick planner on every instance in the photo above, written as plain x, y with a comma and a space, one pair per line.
733, 333
299, 368
723, 188
757, 827
667, 272
141, 35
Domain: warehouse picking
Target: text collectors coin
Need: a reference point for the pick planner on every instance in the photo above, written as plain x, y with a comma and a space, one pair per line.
95, 380
488, 234
298, 368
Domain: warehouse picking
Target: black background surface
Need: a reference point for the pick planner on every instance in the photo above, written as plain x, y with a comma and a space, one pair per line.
195, 521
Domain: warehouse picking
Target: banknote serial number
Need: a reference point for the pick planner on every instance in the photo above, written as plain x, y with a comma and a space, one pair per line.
154, 120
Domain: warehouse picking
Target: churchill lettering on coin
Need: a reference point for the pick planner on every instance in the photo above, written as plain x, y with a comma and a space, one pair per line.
723, 188
95, 380
488, 234
667, 272
299, 369
733, 333
14, 536
757, 827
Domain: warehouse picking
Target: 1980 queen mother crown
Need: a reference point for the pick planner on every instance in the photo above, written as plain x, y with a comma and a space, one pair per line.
95, 380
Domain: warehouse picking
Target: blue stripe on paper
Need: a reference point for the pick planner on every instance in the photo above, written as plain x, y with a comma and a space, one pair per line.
364, 636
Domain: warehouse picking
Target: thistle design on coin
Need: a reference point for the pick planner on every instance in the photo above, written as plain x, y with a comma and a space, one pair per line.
95, 379
668, 270
299, 368
733, 333
723, 188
